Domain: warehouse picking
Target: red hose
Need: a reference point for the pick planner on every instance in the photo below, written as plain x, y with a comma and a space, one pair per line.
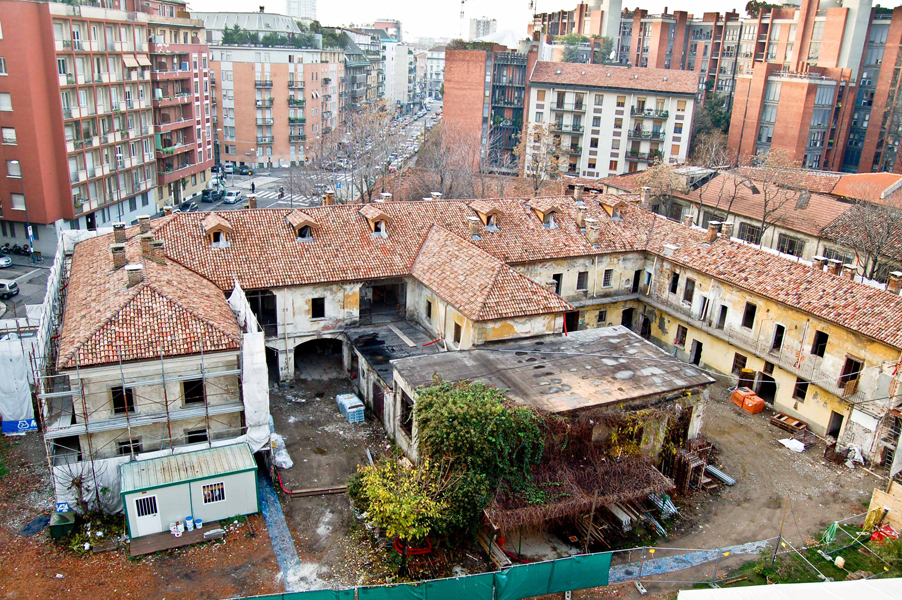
279, 475
413, 551
432, 342
514, 556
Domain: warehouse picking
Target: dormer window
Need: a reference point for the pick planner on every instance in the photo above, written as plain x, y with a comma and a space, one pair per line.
217, 230
376, 219
302, 225
488, 213
548, 221
219, 239
305, 234
379, 229
491, 223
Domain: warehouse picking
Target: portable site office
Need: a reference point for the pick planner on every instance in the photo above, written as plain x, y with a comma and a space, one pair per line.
210, 484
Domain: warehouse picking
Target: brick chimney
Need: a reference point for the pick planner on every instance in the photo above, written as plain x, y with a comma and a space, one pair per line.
144, 222
167, 210
135, 274
551, 286
146, 241
894, 284
435, 195
119, 259
386, 197
474, 227
646, 197
818, 263
581, 217
252, 200
849, 272
834, 267
592, 230
726, 230
711, 235
687, 220
157, 252
119, 232
578, 191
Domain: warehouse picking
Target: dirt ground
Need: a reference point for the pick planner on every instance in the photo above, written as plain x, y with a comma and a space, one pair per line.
240, 565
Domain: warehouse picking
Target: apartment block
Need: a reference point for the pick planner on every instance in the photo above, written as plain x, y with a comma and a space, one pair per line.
481, 27
435, 72
400, 75
609, 119
76, 114
182, 110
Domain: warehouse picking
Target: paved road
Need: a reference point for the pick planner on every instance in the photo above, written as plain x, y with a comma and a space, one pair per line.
32, 280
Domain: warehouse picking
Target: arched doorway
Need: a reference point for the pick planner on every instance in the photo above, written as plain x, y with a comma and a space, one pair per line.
319, 359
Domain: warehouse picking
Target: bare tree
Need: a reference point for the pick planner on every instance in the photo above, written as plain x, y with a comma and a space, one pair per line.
540, 152
662, 182
772, 182
446, 163
368, 139
871, 229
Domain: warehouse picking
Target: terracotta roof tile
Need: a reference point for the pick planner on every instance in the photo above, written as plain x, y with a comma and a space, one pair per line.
373, 213
476, 283
605, 76
297, 218
213, 221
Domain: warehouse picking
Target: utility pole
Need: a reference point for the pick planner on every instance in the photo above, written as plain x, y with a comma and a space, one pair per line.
780, 536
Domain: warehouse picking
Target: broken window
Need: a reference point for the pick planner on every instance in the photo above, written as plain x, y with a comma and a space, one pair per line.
582, 281
305, 233
851, 372
123, 400
406, 414
739, 362
749, 233
195, 436
317, 308
819, 347
681, 336
800, 390
428, 309
689, 292
607, 279
602, 317
193, 391
557, 277
779, 334
674, 282
379, 228
768, 368
790, 245
457, 333
748, 316
548, 221
722, 317
491, 223
131, 448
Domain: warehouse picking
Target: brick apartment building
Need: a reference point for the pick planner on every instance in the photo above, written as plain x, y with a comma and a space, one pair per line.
611, 119
851, 47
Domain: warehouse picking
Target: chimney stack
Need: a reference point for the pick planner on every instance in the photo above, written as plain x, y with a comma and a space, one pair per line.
578, 191
135, 274
581, 217
119, 259
687, 220
711, 236
646, 197
551, 285
386, 197
474, 227
592, 230
119, 232
146, 241
157, 253
144, 222
834, 267
252, 200
894, 285
435, 195
849, 272
167, 210
818, 263
726, 230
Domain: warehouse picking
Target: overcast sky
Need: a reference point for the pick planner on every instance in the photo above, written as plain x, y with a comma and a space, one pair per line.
441, 18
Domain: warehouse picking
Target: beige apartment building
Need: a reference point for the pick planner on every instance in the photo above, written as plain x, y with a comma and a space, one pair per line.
272, 105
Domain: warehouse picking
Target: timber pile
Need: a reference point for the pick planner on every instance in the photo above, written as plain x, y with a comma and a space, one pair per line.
790, 424
496, 555
593, 528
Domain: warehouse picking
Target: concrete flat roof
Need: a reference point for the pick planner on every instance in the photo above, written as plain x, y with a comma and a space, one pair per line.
558, 373
380, 344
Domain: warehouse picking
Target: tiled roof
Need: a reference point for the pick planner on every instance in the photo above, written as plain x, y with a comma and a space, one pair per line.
476, 283
870, 311
544, 205
605, 76
803, 179
867, 186
169, 313
373, 212
297, 218
213, 221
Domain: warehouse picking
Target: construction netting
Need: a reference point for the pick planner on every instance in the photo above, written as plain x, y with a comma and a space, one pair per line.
254, 376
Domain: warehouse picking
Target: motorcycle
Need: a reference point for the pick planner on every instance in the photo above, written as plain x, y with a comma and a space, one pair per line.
17, 249
26, 250
281, 193
5, 249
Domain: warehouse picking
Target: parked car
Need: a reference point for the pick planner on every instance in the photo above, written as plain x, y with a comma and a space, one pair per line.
213, 195
233, 197
5, 261
245, 171
188, 206
8, 288
228, 169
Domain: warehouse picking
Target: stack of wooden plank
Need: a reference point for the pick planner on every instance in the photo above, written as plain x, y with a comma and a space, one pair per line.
790, 424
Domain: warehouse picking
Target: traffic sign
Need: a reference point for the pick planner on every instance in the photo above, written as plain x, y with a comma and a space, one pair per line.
338, 185
62, 507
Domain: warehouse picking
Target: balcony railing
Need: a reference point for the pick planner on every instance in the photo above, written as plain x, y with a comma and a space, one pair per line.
296, 101
299, 120
648, 112
297, 137
296, 85
264, 121
644, 134
267, 102
561, 128
264, 140
263, 83
561, 106
575, 150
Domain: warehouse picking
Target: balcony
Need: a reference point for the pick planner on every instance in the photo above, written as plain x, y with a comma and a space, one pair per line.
510, 83
296, 101
561, 128
170, 75
575, 150
172, 125
296, 85
171, 174
649, 113
297, 120
297, 137
563, 107
175, 149
263, 83
264, 121
264, 103
644, 134
643, 156
173, 100
264, 140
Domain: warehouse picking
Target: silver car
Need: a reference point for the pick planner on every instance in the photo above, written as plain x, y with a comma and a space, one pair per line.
5, 261
232, 197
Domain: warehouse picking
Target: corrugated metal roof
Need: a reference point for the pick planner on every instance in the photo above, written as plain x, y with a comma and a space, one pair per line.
176, 468
250, 21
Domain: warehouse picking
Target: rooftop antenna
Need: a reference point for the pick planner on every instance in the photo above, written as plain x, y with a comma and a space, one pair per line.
462, 19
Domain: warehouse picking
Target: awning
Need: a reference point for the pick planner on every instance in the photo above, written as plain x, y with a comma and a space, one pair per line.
143, 60
129, 60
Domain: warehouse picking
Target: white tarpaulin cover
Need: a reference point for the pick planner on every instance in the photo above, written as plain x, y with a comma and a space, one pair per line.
242, 309
15, 395
255, 389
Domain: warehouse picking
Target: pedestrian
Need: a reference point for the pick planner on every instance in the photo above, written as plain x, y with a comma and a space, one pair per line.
253, 188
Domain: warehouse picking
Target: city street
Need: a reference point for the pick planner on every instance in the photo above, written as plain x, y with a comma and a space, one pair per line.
32, 281
267, 182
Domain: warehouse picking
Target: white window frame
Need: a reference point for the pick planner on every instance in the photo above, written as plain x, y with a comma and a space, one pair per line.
216, 490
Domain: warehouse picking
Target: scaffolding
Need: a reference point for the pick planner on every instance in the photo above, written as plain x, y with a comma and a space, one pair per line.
94, 418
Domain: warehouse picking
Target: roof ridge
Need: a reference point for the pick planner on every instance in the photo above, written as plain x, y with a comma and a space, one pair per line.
191, 311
